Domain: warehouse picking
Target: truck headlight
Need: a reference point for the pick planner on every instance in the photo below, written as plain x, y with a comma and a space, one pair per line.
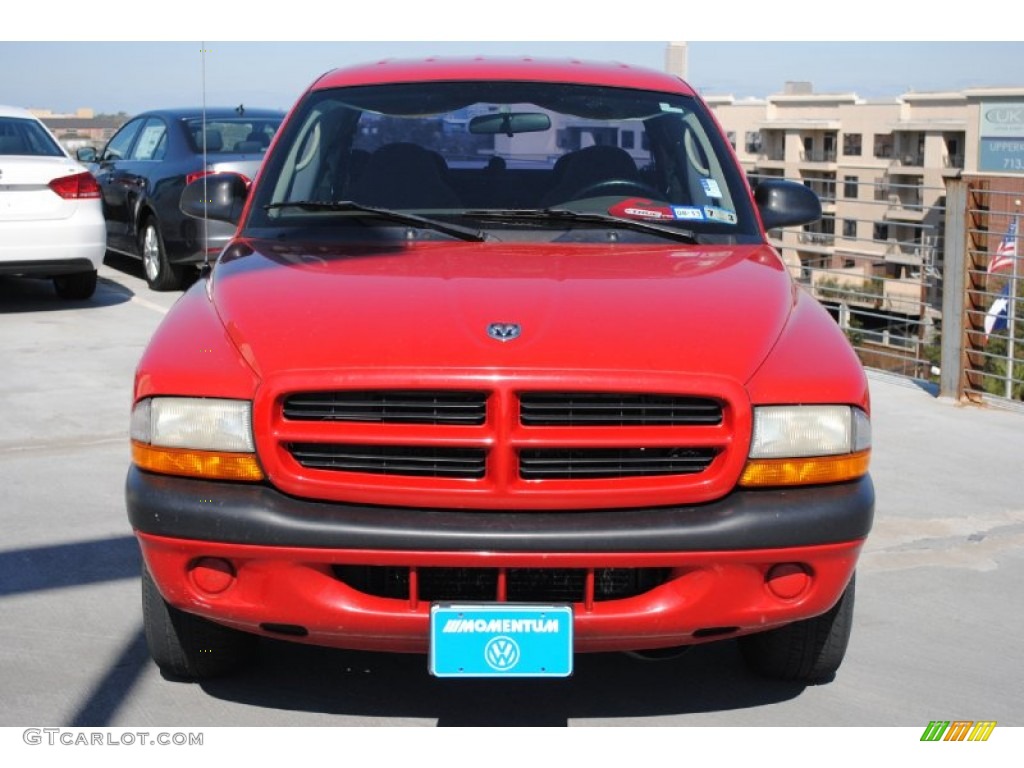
197, 437
807, 444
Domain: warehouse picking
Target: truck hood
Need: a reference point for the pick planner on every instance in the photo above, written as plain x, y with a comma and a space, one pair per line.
666, 309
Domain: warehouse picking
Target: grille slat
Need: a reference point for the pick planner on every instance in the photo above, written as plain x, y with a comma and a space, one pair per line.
428, 408
410, 461
567, 464
547, 585
442, 407
555, 409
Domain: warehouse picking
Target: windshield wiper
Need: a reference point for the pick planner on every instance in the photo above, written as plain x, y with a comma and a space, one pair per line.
349, 206
564, 214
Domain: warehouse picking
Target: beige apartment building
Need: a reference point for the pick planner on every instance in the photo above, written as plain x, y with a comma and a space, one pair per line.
880, 168
81, 129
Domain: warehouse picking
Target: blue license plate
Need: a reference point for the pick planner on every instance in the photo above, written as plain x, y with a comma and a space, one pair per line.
500, 640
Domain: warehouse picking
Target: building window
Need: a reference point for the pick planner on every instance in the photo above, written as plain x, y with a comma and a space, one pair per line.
883, 145
753, 142
731, 135
830, 147
850, 228
851, 144
881, 232
627, 140
850, 187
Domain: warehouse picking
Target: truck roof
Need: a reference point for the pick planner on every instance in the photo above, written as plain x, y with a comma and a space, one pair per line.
502, 68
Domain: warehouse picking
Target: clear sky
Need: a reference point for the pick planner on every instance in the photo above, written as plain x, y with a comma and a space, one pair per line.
81, 58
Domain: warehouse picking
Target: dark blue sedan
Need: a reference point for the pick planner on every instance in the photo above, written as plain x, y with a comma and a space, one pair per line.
147, 163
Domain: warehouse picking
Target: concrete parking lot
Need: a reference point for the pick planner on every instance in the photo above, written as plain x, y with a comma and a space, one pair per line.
936, 634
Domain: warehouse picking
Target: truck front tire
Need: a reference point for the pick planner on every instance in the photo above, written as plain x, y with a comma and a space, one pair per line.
188, 647
808, 651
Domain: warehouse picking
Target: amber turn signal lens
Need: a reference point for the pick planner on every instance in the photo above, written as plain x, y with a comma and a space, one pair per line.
192, 463
765, 473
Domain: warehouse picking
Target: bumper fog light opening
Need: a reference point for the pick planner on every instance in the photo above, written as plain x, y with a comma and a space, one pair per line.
212, 575
787, 581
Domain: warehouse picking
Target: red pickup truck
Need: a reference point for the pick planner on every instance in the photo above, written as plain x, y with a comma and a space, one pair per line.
500, 367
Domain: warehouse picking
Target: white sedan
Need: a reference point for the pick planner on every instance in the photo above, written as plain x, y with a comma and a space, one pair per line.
51, 217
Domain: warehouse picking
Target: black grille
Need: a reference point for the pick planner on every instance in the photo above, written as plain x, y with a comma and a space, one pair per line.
560, 585
389, 406
595, 463
585, 409
392, 459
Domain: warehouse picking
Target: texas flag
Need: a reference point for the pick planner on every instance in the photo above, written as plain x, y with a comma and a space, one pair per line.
1007, 250
996, 317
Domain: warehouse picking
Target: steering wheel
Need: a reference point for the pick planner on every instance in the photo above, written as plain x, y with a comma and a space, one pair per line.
618, 188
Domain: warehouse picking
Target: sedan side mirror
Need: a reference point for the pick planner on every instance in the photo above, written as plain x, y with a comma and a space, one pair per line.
86, 154
784, 203
218, 196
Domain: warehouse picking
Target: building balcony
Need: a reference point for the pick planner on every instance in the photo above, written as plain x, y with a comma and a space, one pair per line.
953, 161
910, 208
911, 254
905, 297
857, 287
818, 156
910, 160
852, 286
817, 238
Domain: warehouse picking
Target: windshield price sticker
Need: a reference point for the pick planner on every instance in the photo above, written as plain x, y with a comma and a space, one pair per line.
719, 214
501, 640
711, 188
687, 212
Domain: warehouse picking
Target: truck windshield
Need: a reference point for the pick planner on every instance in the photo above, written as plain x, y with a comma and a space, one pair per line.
458, 149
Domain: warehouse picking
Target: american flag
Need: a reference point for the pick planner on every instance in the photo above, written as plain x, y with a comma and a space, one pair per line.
1007, 251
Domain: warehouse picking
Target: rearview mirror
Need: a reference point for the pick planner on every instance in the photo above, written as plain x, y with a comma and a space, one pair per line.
510, 123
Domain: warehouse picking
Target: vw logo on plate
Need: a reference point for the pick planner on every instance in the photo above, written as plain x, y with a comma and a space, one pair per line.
502, 653
504, 331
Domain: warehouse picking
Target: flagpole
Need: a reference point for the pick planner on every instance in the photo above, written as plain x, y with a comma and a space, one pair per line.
1011, 307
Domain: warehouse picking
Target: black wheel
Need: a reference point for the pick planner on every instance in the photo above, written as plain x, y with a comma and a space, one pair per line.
618, 188
808, 651
80, 285
189, 647
160, 273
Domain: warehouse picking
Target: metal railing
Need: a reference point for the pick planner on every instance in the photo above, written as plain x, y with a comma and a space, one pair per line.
881, 278
984, 301
919, 298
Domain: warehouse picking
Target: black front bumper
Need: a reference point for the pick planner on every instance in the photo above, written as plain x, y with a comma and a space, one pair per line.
260, 515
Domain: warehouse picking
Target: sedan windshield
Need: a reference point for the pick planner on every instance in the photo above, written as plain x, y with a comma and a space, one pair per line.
468, 150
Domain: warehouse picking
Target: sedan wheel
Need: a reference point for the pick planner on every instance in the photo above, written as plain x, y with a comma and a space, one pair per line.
80, 285
160, 274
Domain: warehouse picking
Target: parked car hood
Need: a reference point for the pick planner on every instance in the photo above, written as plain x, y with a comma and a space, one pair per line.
687, 309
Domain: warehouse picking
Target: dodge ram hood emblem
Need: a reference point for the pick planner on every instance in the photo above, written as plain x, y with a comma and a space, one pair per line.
504, 331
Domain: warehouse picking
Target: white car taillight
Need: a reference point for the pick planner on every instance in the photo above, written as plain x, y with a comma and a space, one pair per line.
80, 186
